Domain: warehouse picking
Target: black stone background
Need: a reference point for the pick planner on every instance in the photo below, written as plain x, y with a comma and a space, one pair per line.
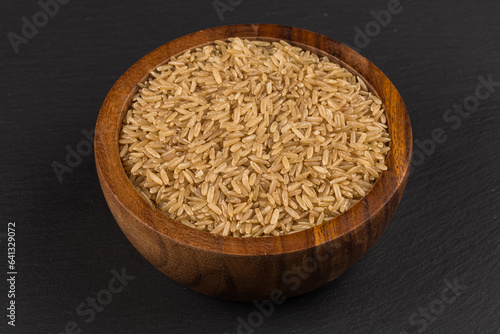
446, 228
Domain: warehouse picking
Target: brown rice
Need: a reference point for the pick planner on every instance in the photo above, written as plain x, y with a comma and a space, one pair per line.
248, 138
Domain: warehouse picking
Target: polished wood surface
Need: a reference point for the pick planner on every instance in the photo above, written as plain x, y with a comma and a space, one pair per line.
251, 268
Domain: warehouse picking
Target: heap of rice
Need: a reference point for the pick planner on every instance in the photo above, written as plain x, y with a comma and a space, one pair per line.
247, 138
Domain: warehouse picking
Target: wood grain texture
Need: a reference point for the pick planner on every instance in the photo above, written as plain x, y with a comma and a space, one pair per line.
251, 268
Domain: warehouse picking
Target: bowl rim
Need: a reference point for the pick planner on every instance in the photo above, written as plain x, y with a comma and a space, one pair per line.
112, 174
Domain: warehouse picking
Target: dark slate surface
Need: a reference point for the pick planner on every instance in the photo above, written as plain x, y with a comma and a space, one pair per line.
445, 231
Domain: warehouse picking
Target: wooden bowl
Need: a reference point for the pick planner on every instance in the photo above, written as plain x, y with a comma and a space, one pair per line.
247, 269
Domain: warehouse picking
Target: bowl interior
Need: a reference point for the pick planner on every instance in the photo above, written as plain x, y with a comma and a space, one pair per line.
118, 101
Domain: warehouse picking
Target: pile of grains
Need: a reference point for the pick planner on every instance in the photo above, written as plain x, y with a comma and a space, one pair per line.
247, 138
